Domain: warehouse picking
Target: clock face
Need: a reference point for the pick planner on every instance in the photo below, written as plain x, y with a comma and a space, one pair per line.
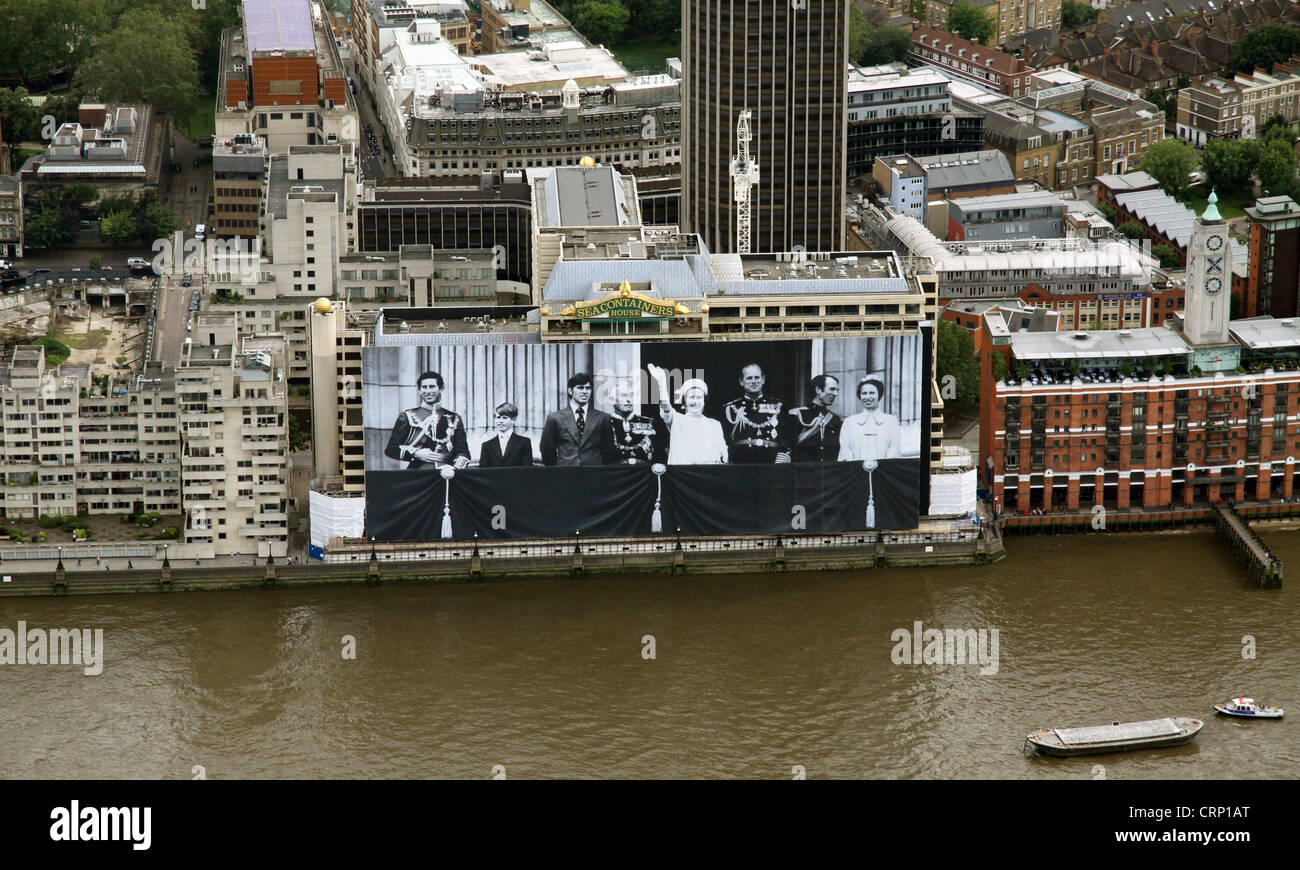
1214, 285
1214, 243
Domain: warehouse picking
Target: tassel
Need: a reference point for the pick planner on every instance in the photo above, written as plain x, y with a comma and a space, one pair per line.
446, 504
871, 501
657, 518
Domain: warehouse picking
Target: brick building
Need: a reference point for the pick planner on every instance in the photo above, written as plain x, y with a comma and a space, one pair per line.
1201, 410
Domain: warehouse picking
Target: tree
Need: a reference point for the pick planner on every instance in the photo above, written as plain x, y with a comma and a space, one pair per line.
146, 59
118, 229
887, 45
1264, 46
116, 204
1228, 162
97, 261
970, 22
56, 352
959, 371
47, 226
1000, 366
157, 222
1170, 162
1132, 230
1276, 167
1107, 210
1278, 127
1074, 15
1168, 256
600, 21
22, 123
870, 45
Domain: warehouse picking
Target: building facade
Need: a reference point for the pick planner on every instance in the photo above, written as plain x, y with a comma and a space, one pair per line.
1201, 410
1274, 257
983, 65
786, 64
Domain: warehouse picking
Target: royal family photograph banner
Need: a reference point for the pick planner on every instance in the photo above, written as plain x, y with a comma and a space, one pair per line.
609, 438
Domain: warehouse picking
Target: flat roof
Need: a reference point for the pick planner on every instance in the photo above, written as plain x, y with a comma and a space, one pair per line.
1036, 199
1118, 343
1265, 333
279, 25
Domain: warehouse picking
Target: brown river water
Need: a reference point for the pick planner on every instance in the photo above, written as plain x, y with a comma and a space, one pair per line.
752, 676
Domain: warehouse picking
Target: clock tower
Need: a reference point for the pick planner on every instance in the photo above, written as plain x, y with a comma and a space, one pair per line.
1209, 279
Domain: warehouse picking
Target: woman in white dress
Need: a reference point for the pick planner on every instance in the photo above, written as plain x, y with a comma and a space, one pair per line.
872, 434
693, 439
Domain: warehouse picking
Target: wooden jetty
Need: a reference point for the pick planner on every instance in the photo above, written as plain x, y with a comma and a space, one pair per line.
1265, 568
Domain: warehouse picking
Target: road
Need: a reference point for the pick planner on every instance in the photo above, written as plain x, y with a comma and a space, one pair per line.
373, 166
173, 314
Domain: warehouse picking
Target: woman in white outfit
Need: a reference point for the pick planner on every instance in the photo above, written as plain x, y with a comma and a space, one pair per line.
693, 439
871, 434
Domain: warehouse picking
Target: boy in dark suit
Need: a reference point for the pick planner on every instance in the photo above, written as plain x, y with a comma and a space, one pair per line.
577, 434
505, 448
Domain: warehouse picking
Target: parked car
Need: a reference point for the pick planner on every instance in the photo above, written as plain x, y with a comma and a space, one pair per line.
137, 263
200, 231
187, 281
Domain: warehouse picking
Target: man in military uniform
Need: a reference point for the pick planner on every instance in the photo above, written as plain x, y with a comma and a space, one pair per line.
812, 431
754, 422
429, 436
635, 440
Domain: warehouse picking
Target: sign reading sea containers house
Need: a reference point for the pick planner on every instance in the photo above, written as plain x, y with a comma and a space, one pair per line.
633, 438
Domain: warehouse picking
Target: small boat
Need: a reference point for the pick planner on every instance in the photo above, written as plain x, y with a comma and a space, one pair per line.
1115, 737
1248, 709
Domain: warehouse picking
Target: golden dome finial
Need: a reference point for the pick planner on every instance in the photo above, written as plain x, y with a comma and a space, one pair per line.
625, 289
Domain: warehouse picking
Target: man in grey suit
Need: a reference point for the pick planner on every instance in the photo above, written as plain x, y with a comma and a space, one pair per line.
577, 434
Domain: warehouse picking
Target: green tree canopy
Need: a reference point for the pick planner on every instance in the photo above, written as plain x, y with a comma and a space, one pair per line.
1228, 162
1168, 256
147, 59
56, 352
46, 226
1170, 162
1074, 14
1276, 166
118, 229
958, 367
1265, 45
157, 222
600, 21
1131, 229
870, 45
971, 22
20, 118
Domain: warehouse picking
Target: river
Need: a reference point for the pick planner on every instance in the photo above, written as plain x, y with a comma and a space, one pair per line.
759, 676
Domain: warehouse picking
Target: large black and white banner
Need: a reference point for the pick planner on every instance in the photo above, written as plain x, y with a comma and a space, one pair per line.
545, 440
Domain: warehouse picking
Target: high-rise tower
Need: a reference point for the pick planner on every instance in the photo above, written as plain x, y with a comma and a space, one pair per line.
787, 62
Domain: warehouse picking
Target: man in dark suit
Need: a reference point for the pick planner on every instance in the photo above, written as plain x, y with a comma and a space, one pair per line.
505, 447
577, 434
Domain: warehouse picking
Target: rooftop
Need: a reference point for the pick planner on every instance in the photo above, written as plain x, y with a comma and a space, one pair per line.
970, 168
1266, 333
1099, 344
279, 25
585, 196
1037, 199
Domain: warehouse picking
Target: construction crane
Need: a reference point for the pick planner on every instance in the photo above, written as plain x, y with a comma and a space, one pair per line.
744, 175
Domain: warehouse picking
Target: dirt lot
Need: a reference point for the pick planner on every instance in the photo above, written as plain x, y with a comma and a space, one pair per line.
103, 528
98, 339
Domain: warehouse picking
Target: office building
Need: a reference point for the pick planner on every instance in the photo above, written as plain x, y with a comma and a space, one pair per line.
786, 64
1274, 258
